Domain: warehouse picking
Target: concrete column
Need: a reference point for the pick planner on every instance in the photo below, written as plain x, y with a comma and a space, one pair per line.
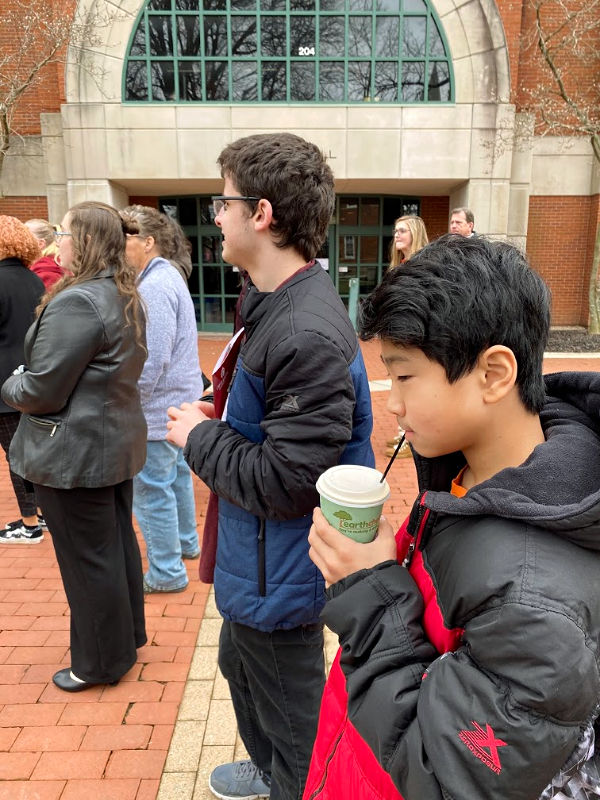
103, 191
520, 180
55, 175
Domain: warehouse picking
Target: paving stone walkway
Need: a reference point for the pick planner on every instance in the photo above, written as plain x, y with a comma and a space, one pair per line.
158, 734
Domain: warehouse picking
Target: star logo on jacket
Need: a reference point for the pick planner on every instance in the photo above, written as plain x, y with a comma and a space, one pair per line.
484, 745
290, 403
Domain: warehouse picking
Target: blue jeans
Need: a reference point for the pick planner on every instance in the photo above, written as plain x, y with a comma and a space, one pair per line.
163, 503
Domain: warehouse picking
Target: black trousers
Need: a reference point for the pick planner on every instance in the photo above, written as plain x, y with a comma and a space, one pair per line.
22, 488
276, 682
101, 569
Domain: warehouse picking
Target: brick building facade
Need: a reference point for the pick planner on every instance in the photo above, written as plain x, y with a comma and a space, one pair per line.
81, 141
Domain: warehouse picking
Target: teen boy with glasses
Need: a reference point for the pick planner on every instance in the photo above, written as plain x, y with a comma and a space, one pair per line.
299, 404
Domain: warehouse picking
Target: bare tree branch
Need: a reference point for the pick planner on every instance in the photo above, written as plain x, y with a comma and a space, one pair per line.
567, 37
42, 34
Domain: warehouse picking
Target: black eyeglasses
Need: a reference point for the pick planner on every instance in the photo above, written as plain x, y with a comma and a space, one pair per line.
219, 201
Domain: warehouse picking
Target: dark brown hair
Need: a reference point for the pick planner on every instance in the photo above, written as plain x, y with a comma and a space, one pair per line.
469, 217
294, 177
98, 238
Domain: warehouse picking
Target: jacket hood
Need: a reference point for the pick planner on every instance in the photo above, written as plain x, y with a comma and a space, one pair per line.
557, 487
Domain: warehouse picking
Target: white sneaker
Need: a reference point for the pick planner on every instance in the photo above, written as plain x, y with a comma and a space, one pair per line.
18, 533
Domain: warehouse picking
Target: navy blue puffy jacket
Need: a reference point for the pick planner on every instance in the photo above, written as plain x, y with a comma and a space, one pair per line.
299, 404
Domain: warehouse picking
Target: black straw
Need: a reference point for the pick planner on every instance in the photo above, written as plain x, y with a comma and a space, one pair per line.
396, 451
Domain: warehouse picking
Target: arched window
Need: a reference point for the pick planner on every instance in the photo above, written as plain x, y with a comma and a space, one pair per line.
290, 51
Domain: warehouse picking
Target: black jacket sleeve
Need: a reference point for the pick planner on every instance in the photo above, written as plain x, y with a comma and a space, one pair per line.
70, 332
496, 719
275, 479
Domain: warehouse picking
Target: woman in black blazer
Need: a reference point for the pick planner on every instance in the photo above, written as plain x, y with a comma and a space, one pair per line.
82, 438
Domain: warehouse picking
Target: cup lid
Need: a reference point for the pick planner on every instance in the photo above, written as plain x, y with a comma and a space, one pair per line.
354, 485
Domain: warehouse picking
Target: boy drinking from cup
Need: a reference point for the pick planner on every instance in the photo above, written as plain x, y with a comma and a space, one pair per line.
472, 669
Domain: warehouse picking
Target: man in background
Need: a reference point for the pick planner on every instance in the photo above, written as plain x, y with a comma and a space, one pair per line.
462, 222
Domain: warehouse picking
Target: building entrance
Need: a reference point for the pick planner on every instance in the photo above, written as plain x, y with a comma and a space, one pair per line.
357, 246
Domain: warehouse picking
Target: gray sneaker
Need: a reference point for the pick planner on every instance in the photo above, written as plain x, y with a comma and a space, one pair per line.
241, 780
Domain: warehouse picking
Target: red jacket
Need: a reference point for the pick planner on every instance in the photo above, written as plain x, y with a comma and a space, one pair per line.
343, 766
48, 270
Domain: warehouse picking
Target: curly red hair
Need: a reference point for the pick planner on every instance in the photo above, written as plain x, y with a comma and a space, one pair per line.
17, 241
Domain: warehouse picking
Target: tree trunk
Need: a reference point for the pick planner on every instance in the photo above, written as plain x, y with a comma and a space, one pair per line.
4, 140
594, 289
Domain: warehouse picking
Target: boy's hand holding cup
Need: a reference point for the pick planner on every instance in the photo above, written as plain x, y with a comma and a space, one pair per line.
342, 537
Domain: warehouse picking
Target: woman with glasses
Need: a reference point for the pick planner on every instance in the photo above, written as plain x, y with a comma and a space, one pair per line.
163, 496
410, 236
81, 439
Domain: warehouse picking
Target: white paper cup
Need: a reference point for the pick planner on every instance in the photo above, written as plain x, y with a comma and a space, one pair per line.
352, 499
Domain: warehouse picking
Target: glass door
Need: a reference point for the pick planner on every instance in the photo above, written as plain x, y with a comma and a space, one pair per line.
363, 235
357, 246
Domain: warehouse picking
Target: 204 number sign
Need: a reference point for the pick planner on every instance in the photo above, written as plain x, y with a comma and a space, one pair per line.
306, 51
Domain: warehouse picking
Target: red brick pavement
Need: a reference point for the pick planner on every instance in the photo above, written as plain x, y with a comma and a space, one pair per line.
112, 742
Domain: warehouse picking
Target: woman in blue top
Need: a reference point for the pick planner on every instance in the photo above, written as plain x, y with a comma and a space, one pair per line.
163, 500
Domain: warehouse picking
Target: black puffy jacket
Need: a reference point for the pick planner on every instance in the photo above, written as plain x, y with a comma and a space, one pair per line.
516, 565
299, 403
82, 423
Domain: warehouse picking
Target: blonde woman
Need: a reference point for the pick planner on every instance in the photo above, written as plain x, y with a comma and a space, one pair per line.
47, 266
410, 236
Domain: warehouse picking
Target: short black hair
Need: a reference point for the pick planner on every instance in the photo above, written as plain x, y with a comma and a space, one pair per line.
457, 297
294, 176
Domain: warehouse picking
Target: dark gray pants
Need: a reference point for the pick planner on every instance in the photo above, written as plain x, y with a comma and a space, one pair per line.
23, 489
101, 569
276, 681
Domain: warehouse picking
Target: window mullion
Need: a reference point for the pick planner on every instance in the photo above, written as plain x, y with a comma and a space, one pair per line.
201, 23
175, 45
373, 89
317, 49
148, 59
229, 56
426, 67
257, 57
288, 57
346, 33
